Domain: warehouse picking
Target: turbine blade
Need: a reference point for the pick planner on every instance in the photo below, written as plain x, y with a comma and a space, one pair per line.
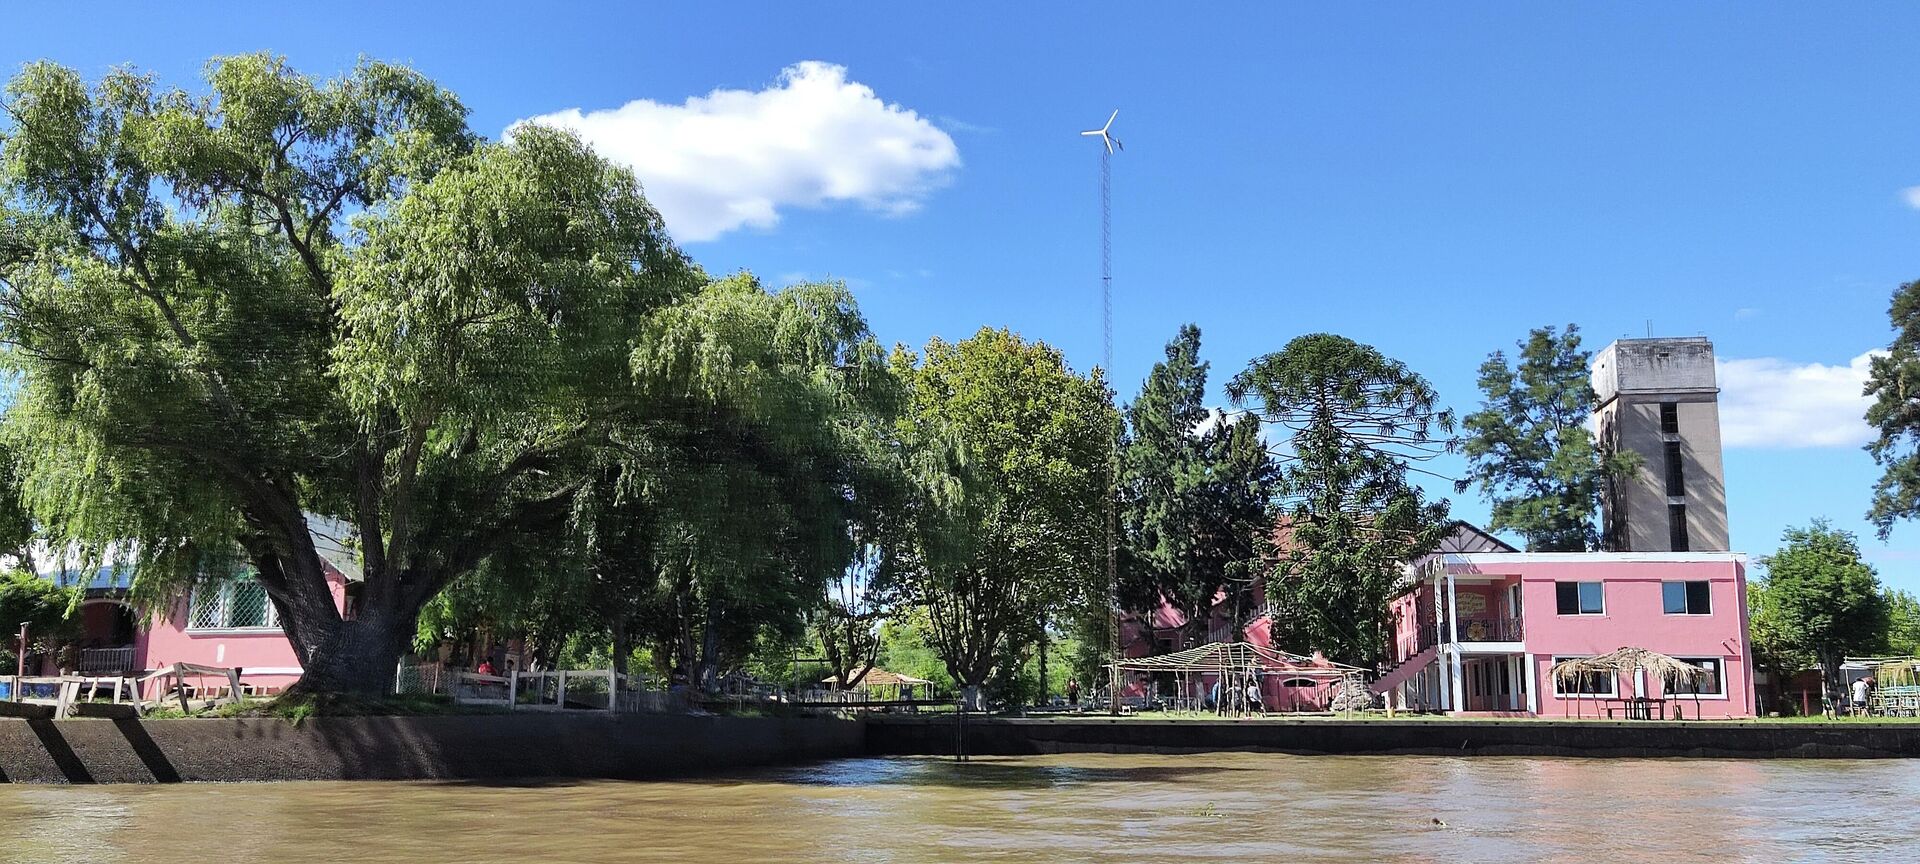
1094, 132
1116, 113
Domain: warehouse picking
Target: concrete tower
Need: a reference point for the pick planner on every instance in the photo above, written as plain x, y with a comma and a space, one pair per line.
1658, 398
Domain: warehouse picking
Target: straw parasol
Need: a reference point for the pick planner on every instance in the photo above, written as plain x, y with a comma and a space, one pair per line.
1628, 659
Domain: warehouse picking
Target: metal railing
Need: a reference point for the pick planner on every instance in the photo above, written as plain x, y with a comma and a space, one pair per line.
105, 661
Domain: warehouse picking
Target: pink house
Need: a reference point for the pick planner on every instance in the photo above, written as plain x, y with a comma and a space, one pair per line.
1480, 632
226, 623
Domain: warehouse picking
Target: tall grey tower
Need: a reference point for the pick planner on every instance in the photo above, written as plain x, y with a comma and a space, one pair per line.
1658, 398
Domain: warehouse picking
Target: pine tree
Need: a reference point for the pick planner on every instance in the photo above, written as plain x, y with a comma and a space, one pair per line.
1195, 487
1529, 447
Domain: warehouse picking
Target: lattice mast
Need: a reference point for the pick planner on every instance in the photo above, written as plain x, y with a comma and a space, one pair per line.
1109, 145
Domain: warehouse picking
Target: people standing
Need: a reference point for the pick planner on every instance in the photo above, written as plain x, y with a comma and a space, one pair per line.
1860, 690
1073, 692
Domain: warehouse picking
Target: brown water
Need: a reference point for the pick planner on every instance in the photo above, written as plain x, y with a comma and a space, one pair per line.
1057, 809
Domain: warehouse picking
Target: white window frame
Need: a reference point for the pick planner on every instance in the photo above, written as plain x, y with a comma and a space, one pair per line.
226, 588
1704, 697
1613, 680
1683, 600
1579, 611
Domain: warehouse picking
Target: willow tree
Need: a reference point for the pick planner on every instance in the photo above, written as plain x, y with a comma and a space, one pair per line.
1009, 448
777, 408
230, 312
1352, 423
741, 479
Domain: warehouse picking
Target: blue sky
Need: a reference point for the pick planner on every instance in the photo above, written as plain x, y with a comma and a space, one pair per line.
1433, 180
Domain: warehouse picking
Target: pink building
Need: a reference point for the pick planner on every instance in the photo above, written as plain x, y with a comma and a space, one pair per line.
226, 623
1480, 631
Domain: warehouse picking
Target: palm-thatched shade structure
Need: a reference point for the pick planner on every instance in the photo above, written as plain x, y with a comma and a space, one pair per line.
876, 678
1629, 660
1236, 663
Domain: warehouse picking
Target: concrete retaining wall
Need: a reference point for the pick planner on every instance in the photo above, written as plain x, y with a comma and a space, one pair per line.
902, 736
493, 747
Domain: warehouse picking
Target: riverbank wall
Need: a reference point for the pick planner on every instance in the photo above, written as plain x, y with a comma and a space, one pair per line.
938, 736
522, 746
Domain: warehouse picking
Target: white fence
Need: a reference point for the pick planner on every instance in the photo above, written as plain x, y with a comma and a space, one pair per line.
602, 690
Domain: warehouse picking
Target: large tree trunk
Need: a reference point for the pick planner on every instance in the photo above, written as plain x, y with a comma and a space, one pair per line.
970, 697
622, 644
710, 650
1042, 700
357, 657
1832, 681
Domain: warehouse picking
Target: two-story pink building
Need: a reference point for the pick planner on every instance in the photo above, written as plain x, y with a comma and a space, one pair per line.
1481, 631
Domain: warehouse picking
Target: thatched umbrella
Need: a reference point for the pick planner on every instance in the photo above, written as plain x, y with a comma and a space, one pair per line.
1630, 660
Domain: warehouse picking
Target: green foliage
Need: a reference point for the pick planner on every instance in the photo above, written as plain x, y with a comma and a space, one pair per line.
1819, 601
286, 297
1894, 384
904, 649
750, 474
1529, 448
1903, 623
1009, 450
48, 610
1354, 421
1194, 490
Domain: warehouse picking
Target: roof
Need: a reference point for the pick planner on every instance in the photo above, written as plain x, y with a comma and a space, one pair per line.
1215, 656
1467, 537
1470, 558
877, 677
333, 539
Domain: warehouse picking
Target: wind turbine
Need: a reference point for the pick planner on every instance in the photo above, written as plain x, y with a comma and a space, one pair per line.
1110, 145
1103, 133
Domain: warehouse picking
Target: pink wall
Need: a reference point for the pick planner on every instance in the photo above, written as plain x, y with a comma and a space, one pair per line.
1634, 616
264, 655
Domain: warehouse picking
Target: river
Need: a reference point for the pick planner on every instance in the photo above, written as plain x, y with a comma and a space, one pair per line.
1107, 808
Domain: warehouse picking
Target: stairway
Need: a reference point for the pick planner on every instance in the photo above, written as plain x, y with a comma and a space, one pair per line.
1408, 668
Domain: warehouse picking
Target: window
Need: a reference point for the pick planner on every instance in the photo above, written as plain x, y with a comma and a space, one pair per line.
1687, 598
1677, 527
1676, 471
1601, 683
1580, 598
1670, 418
1712, 683
231, 604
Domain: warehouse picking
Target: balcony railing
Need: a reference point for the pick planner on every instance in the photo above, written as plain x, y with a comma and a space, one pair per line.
1488, 628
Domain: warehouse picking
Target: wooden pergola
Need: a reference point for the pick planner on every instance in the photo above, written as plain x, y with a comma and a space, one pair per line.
1236, 664
877, 678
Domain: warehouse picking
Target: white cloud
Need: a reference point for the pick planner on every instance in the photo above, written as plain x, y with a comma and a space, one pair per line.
1911, 195
734, 158
1769, 403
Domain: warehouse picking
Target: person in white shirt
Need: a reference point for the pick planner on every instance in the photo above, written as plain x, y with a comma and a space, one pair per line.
1860, 696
